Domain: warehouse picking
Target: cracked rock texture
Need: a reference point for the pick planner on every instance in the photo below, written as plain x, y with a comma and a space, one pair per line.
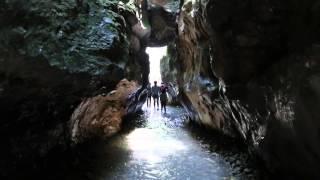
251, 70
101, 116
161, 17
53, 55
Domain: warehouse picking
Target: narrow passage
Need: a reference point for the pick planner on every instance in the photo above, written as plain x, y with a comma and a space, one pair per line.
163, 146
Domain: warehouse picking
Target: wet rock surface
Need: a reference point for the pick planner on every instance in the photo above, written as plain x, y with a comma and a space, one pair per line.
53, 54
244, 68
161, 15
101, 116
169, 73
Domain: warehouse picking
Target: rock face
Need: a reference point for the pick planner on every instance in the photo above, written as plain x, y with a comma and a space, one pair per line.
101, 116
169, 73
251, 70
161, 17
52, 55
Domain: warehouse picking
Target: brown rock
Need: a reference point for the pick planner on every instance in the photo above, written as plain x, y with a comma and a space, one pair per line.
101, 116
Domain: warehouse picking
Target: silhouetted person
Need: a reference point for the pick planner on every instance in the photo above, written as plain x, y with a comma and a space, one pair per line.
155, 94
149, 95
163, 97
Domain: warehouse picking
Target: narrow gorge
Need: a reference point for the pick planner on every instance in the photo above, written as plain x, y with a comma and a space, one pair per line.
244, 79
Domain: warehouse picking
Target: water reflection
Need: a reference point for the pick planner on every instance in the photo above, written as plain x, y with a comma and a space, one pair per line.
152, 146
162, 148
158, 146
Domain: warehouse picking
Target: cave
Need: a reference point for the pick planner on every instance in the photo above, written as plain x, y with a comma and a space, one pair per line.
243, 78
155, 56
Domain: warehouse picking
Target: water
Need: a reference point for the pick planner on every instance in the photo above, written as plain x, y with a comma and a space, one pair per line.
162, 149
161, 146
158, 146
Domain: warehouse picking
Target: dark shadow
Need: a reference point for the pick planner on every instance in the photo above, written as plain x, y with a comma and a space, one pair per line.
95, 159
227, 147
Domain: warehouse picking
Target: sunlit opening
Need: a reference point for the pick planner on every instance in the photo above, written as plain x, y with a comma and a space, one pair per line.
155, 55
151, 146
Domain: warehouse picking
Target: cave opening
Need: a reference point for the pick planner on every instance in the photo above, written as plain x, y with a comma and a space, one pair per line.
155, 56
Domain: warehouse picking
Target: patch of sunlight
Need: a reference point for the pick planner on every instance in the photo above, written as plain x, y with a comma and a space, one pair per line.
151, 146
155, 55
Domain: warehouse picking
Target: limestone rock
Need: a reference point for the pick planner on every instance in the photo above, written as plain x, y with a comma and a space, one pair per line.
251, 70
162, 18
53, 54
101, 116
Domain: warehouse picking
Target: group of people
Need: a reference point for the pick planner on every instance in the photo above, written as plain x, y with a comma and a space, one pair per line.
157, 92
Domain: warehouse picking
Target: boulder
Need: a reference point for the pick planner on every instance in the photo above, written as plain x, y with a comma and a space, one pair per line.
101, 116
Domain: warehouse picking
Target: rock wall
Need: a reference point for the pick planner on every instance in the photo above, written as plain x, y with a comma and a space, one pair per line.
169, 73
53, 55
160, 16
251, 70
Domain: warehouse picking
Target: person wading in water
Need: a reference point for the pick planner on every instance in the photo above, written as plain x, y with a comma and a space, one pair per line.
163, 97
149, 95
155, 94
